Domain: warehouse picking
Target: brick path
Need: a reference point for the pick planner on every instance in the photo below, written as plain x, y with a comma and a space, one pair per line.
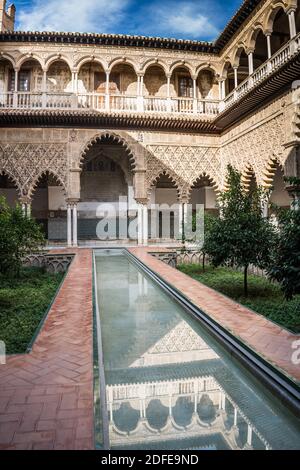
46, 397
269, 340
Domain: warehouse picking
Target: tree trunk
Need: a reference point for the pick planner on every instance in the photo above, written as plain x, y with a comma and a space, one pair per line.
203, 262
246, 281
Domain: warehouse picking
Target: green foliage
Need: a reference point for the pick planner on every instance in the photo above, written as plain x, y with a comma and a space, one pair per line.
264, 296
19, 236
285, 266
241, 235
23, 304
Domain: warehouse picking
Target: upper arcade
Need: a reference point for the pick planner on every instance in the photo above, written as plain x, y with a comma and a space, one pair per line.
128, 75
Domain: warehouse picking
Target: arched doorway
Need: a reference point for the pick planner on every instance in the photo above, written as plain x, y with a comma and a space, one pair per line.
203, 193
163, 200
106, 185
48, 207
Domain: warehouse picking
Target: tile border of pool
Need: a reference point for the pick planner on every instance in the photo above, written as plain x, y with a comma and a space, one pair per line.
273, 378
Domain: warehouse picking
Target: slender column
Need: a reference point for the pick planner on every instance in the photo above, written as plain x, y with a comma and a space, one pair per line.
235, 76
249, 436
44, 89
185, 208
250, 62
140, 224
223, 89
168, 93
235, 417
180, 220
269, 45
75, 224
220, 90
292, 23
76, 82
265, 209
170, 405
107, 98
69, 225
15, 97
140, 98
145, 224
195, 110
28, 212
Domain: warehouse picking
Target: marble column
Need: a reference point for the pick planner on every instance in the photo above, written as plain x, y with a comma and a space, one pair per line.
69, 225
75, 236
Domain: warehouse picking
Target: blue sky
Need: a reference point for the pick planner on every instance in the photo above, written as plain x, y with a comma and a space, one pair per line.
185, 19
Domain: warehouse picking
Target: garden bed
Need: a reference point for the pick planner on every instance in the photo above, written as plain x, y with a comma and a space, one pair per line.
23, 304
265, 297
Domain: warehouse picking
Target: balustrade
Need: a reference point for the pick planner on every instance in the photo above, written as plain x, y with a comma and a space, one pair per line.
157, 104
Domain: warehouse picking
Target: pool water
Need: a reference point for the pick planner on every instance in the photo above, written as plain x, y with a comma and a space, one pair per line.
169, 384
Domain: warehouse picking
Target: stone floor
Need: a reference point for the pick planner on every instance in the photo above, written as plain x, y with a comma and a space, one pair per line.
269, 340
46, 397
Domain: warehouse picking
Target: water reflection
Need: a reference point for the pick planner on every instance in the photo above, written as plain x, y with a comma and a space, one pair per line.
169, 385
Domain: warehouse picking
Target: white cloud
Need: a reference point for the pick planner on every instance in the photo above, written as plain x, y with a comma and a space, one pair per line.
185, 20
72, 15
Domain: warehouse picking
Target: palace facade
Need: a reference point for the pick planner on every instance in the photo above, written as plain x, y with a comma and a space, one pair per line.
89, 118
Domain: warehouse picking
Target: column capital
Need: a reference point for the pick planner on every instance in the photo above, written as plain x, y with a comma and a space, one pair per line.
72, 201
25, 200
142, 201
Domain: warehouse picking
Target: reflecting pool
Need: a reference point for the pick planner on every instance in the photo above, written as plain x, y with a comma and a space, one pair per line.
169, 384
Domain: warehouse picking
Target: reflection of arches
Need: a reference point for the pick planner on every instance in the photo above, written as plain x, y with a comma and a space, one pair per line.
183, 411
126, 418
206, 409
157, 414
8, 188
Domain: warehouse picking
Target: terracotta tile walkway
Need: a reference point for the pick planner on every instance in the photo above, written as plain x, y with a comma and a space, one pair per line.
269, 340
46, 397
